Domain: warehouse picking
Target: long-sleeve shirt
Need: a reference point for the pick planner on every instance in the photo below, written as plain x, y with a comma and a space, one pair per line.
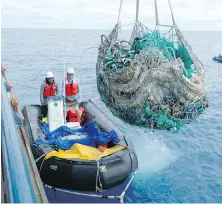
43, 99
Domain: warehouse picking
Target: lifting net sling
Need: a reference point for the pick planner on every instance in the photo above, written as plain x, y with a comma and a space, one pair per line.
153, 80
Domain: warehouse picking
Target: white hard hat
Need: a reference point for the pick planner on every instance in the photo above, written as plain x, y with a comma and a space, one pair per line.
70, 71
49, 75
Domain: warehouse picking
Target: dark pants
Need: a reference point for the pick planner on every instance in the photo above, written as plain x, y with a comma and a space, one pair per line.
44, 111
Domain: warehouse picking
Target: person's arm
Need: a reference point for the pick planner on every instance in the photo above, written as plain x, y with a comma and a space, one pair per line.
41, 93
57, 89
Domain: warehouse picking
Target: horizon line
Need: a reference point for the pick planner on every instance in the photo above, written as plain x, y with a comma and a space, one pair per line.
99, 29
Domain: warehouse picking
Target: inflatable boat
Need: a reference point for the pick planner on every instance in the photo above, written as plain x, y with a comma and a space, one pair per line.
81, 168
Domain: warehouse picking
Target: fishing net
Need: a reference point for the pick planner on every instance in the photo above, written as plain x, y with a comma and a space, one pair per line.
153, 80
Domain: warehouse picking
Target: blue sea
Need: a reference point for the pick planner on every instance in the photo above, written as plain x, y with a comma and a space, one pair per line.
181, 167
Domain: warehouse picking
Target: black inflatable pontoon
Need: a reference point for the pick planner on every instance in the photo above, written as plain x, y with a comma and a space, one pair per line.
77, 174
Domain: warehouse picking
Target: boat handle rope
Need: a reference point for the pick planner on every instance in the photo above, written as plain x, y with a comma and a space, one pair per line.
40, 158
100, 188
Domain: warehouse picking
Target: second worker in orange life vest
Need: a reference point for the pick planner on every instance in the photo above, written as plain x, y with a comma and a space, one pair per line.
48, 88
72, 95
71, 87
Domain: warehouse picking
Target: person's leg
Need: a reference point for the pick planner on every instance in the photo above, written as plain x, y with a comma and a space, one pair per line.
44, 110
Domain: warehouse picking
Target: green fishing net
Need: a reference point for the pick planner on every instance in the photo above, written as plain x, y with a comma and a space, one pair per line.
153, 80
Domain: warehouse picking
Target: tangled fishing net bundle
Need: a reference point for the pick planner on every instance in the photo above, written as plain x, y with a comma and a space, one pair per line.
153, 80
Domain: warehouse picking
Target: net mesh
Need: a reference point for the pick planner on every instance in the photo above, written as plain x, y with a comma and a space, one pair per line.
153, 80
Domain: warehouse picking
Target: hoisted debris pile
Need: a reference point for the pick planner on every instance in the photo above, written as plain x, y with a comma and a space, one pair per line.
153, 80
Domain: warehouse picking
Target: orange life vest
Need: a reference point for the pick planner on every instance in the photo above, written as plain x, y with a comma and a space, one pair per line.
71, 89
49, 90
72, 117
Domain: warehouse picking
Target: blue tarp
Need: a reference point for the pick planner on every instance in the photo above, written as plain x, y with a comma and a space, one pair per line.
89, 135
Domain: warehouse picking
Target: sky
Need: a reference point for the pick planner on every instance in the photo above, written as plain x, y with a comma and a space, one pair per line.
102, 14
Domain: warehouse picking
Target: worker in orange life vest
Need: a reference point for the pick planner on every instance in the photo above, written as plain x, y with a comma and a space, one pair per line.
48, 88
71, 86
74, 113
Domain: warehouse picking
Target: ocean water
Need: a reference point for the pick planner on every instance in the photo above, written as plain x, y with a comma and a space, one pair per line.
181, 167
